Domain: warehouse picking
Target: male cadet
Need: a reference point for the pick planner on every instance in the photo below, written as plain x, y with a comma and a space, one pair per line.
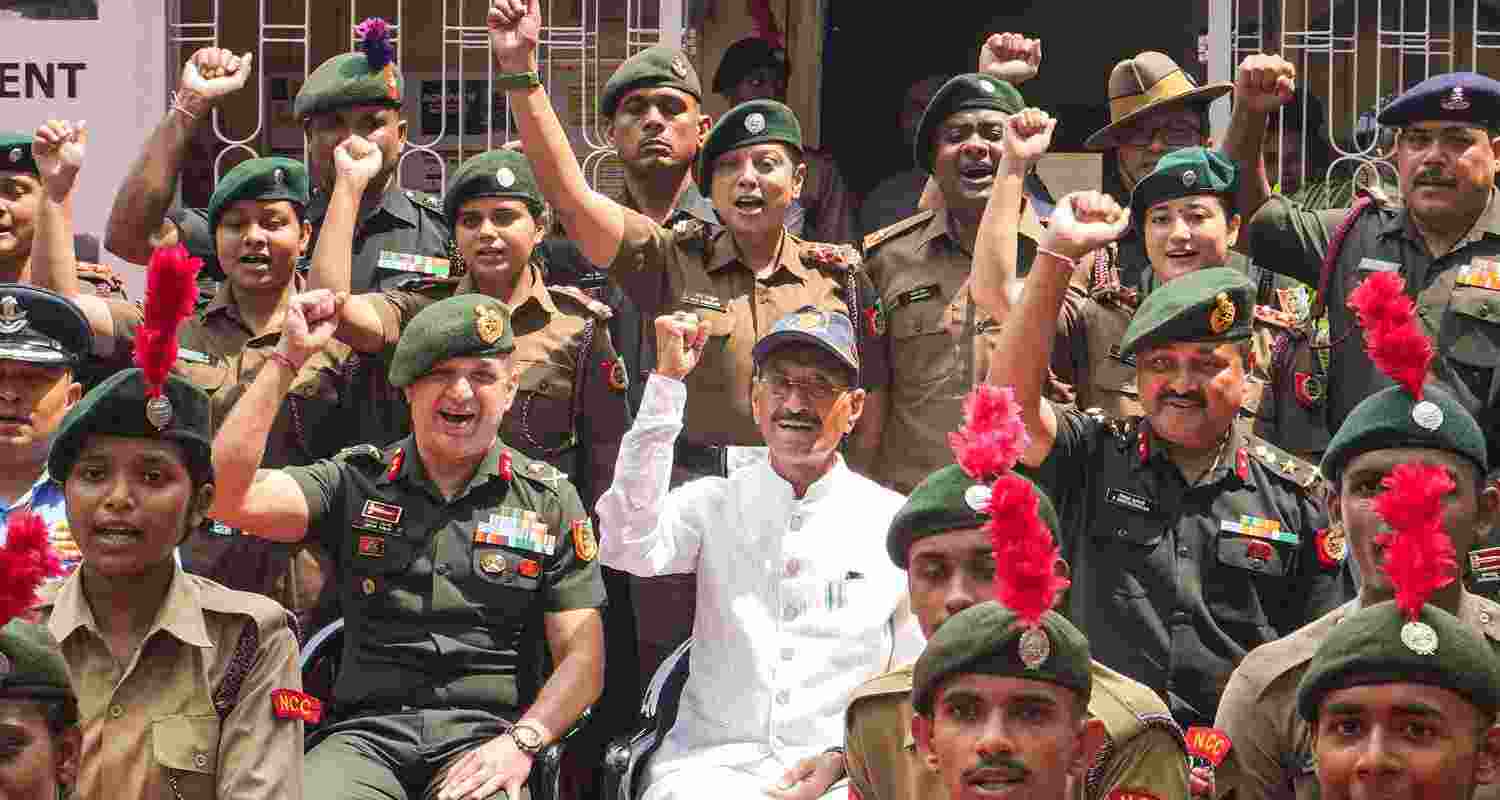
756, 69
43, 338
453, 551
1272, 753
1445, 239
1190, 540
400, 233
38, 716
938, 537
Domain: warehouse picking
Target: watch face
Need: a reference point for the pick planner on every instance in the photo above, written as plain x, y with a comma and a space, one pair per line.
527, 737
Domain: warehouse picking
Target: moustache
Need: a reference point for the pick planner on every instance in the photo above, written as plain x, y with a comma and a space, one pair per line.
797, 416
1015, 769
1433, 176
1195, 398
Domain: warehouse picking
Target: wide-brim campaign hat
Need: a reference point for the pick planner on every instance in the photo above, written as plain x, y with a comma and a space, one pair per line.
1150, 82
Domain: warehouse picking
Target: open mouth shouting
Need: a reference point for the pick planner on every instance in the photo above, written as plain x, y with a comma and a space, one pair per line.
750, 204
258, 263
976, 176
994, 782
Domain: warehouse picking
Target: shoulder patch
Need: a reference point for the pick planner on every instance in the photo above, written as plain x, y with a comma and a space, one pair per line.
579, 296
840, 257
364, 456
895, 229
1299, 471
268, 614
425, 200
1275, 317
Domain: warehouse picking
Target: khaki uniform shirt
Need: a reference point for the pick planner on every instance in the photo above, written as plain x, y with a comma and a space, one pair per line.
692, 267
1270, 755
191, 715
571, 408
1142, 752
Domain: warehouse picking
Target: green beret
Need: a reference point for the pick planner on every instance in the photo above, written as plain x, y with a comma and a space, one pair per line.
347, 80
745, 55
273, 178
1389, 419
464, 325
117, 407
963, 93
748, 123
497, 173
1374, 645
653, 67
15, 152
1209, 305
948, 500
988, 639
1183, 173
31, 664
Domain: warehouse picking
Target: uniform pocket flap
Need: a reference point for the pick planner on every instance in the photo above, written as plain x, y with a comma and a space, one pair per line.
187, 743
377, 553
547, 379
1472, 333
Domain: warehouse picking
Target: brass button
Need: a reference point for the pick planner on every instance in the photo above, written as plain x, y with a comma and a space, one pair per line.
1484, 617
368, 586
200, 760
116, 711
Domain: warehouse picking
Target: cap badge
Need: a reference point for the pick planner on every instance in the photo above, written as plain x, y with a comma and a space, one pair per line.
1427, 415
1222, 315
987, 87
978, 497
505, 177
492, 563
679, 66
159, 412
279, 176
1455, 101
15, 155
488, 324
1419, 637
1034, 648
756, 122
1189, 178
12, 316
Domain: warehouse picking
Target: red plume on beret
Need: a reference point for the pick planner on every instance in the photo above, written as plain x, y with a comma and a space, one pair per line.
171, 291
1419, 556
26, 559
988, 445
1393, 336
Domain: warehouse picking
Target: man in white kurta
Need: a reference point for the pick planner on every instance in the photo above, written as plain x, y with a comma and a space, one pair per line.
797, 601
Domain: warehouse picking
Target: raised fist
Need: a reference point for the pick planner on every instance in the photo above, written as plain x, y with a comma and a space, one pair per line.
357, 160
1011, 57
311, 319
679, 343
1264, 82
515, 27
213, 74
58, 147
1028, 135
1084, 221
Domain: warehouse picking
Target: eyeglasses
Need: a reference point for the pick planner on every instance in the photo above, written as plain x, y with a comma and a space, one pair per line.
1174, 136
818, 391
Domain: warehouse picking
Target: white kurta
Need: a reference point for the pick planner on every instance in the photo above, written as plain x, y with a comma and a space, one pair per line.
798, 602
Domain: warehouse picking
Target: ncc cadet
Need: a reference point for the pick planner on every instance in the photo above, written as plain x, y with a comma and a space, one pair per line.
400, 232
258, 216
1191, 541
1444, 240
1273, 753
757, 69
457, 556
938, 537
182, 684
38, 716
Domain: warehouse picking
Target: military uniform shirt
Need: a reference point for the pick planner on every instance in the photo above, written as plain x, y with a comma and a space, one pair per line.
570, 408
1172, 583
1271, 755
1457, 295
443, 599
1142, 752
692, 268
190, 716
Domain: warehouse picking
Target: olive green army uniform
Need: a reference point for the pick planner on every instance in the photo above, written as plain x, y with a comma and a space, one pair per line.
1142, 751
443, 603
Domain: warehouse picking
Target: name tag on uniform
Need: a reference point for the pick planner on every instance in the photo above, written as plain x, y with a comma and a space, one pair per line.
1377, 265
411, 262
380, 516
193, 356
1485, 564
372, 546
699, 300
917, 295
220, 529
1128, 500
1481, 272
516, 528
1250, 525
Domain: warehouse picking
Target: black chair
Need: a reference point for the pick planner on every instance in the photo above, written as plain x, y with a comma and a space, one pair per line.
320, 666
625, 759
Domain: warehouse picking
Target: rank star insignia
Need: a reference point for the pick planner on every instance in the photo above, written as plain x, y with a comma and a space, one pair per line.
488, 324
1034, 648
505, 177
756, 122
1455, 101
1222, 315
12, 316
679, 66
1189, 177
1419, 637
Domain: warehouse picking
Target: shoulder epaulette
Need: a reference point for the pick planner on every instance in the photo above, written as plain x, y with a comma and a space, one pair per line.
1275, 317
1297, 470
579, 296
267, 613
425, 200
913, 221
365, 456
536, 469
840, 257
1121, 428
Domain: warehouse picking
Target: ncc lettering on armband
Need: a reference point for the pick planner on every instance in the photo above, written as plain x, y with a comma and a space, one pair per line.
292, 704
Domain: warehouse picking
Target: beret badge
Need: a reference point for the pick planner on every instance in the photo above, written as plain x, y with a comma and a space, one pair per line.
488, 324
1222, 315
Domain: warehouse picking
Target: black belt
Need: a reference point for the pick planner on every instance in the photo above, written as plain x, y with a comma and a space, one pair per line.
701, 459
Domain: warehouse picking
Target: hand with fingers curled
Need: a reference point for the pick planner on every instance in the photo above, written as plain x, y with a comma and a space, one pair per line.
1264, 82
515, 30
209, 76
58, 148
680, 338
357, 161
1084, 221
1027, 137
1011, 57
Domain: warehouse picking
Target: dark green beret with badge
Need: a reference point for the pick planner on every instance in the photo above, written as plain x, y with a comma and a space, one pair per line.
1380, 644
653, 67
1209, 305
15, 152
467, 325
962, 93
497, 173
119, 406
272, 178
367, 76
752, 122
1391, 418
948, 500
989, 639
31, 664
1184, 173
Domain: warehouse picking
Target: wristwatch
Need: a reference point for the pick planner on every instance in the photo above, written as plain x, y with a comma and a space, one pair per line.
518, 80
527, 738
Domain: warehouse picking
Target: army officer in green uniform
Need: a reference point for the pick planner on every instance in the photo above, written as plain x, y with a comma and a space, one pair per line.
453, 551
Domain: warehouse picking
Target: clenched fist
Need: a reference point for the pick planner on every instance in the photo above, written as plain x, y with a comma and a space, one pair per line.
1264, 82
679, 343
58, 147
1028, 135
209, 76
1084, 221
515, 28
357, 161
1011, 57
